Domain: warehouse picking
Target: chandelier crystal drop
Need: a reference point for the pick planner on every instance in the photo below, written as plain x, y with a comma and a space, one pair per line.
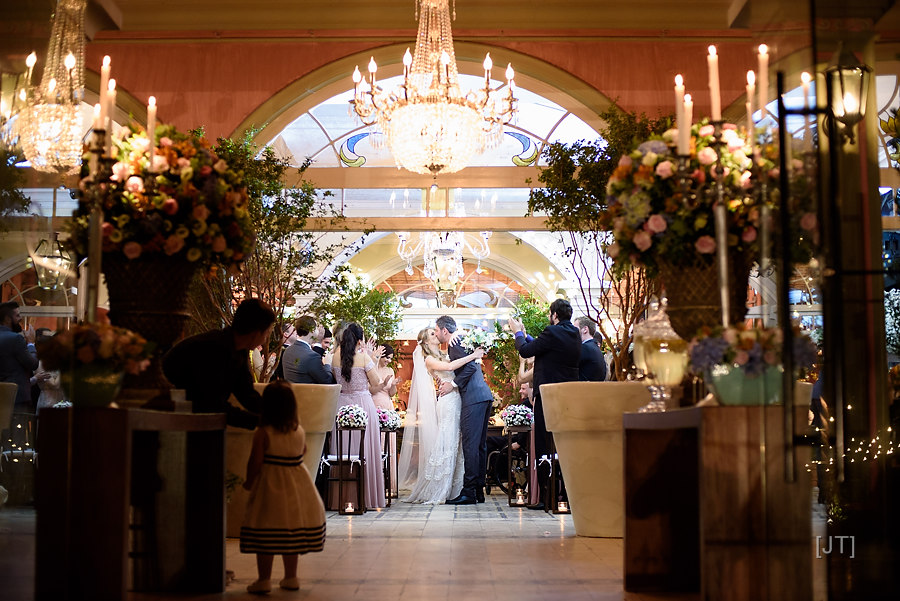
442, 254
429, 124
49, 126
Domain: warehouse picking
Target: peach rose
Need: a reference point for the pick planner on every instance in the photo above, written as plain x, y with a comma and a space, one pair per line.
808, 221
173, 244
170, 206
160, 163
642, 241
165, 141
749, 234
132, 250
665, 169
706, 130
107, 229
657, 224
707, 156
218, 244
705, 245
120, 172
200, 212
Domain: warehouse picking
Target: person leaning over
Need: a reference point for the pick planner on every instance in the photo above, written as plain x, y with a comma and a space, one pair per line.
214, 365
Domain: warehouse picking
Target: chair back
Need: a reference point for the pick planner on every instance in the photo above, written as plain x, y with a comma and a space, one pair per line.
8, 392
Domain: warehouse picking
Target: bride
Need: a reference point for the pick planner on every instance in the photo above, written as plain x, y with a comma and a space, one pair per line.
431, 457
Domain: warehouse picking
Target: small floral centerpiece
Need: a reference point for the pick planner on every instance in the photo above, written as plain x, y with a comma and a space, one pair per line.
351, 416
743, 364
654, 214
517, 415
95, 345
389, 419
178, 199
92, 359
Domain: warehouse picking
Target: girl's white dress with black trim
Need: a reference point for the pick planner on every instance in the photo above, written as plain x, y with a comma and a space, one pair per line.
285, 514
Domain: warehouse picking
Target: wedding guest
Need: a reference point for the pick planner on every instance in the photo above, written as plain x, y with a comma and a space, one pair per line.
386, 388
288, 337
557, 352
302, 364
18, 358
47, 382
354, 364
214, 365
285, 515
592, 365
323, 345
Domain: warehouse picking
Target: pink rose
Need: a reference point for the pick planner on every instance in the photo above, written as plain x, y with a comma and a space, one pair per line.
808, 221
173, 244
183, 163
120, 172
134, 184
106, 229
613, 250
706, 130
699, 176
205, 170
665, 169
735, 143
218, 244
707, 156
749, 234
165, 141
746, 182
160, 163
729, 126
170, 206
657, 224
200, 213
642, 241
625, 161
132, 250
741, 357
705, 245
774, 173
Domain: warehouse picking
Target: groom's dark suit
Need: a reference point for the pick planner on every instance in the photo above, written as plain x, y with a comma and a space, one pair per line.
473, 420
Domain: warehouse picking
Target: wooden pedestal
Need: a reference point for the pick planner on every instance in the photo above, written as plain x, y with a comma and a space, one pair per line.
707, 507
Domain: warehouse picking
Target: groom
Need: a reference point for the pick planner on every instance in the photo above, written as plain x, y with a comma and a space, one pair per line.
473, 419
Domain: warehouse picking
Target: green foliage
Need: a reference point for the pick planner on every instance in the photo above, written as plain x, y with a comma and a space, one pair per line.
574, 199
287, 262
350, 299
12, 178
504, 375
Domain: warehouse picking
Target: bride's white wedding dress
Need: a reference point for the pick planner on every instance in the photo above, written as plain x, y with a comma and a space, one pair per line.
431, 459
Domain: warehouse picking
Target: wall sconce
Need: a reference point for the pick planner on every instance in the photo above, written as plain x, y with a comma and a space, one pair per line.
848, 81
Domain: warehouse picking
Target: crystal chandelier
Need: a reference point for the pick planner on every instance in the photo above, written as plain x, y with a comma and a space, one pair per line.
442, 255
49, 126
430, 125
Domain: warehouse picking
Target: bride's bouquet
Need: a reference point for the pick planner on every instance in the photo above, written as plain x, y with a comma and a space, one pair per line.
478, 338
351, 416
517, 415
389, 419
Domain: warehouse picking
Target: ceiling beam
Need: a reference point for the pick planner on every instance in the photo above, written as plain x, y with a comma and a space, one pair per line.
427, 224
334, 178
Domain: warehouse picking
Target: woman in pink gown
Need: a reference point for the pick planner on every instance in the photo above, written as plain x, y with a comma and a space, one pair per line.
354, 369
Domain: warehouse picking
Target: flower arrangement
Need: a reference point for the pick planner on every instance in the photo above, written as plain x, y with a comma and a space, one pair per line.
96, 345
389, 419
652, 213
517, 415
351, 416
187, 202
753, 350
478, 338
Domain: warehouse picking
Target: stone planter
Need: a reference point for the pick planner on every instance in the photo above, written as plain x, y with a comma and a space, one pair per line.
316, 408
586, 421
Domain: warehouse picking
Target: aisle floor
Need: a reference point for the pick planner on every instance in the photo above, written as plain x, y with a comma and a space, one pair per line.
412, 552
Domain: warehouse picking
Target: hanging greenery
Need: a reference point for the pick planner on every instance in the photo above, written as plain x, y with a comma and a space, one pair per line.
503, 378
574, 200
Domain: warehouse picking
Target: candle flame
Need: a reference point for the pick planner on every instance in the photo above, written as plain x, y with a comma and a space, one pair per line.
112, 85
407, 58
151, 102
763, 49
488, 63
805, 77
712, 50
688, 98
679, 80
106, 61
373, 66
751, 78
31, 61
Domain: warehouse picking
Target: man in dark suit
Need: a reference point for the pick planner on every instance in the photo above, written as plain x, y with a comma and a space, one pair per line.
18, 358
557, 352
473, 418
591, 366
302, 364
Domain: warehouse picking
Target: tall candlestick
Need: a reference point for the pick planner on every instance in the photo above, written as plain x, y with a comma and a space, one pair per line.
763, 72
688, 114
805, 78
97, 123
151, 127
679, 115
751, 126
715, 98
104, 85
110, 115
722, 259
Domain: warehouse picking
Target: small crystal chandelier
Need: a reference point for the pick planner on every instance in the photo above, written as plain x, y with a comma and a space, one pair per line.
49, 127
442, 255
430, 125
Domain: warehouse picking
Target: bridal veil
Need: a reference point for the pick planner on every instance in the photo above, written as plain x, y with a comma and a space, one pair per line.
421, 428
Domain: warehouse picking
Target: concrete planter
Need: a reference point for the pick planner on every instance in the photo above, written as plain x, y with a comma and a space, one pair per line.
316, 408
586, 421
